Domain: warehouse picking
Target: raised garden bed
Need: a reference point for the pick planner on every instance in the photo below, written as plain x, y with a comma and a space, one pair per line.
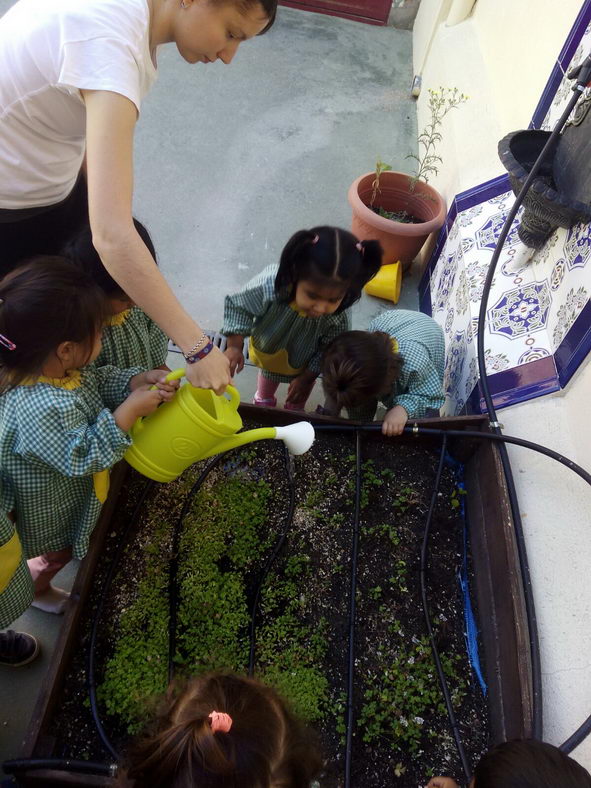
230, 528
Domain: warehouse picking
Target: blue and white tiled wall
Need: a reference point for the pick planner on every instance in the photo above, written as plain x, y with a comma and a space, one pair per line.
539, 315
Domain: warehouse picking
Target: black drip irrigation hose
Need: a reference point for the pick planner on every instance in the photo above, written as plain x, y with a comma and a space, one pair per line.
491, 436
537, 704
289, 467
60, 764
352, 611
423, 579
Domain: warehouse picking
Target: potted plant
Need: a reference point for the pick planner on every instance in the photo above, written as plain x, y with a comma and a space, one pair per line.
402, 210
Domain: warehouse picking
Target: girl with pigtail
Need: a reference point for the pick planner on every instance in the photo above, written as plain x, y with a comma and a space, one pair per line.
292, 311
224, 731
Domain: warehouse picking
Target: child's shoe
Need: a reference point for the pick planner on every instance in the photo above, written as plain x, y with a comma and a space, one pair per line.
266, 402
17, 648
52, 600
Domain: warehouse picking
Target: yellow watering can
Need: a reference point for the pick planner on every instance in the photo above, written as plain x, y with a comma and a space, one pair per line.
197, 424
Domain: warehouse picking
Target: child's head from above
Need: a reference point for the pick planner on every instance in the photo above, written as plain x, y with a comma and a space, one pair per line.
80, 250
53, 314
324, 270
358, 366
261, 745
529, 764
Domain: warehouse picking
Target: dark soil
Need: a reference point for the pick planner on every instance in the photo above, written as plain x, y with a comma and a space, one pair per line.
398, 216
404, 736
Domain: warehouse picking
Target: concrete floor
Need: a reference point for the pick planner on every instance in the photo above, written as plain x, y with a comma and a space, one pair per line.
229, 163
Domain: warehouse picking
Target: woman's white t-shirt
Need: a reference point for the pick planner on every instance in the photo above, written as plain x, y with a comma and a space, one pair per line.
49, 51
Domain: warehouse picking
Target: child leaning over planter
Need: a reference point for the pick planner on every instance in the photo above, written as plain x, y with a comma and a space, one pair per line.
523, 764
224, 731
130, 337
291, 312
398, 361
63, 424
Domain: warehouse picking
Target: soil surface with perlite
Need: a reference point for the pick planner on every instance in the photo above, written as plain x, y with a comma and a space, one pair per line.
232, 526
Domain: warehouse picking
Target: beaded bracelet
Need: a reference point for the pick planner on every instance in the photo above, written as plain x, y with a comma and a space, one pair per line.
203, 338
191, 358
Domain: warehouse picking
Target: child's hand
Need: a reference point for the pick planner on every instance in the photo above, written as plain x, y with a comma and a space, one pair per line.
394, 421
141, 402
299, 387
442, 782
236, 358
157, 377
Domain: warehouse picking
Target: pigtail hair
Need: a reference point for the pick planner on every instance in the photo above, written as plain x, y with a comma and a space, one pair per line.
288, 273
372, 258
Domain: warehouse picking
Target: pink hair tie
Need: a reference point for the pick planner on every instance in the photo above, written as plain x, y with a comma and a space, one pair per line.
360, 247
220, 721
315, 239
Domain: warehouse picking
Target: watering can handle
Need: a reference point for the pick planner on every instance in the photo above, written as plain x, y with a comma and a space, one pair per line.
177, 374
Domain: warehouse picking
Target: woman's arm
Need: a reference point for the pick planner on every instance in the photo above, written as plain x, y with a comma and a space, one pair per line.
110, 125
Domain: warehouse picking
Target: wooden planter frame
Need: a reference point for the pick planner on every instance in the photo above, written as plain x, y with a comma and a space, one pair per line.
498, 593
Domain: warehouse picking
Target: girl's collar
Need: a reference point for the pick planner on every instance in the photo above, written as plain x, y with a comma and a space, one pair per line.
394, 343
300, 312
118, 319
72, 380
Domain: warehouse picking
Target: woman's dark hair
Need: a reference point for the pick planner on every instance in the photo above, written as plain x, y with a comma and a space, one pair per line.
358, 366
80, 250
529, 764
268, 6
265, 746
327, 255
44, 302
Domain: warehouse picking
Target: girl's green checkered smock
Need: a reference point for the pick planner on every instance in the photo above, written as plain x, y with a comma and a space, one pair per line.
56, 436
422, 347
132, 339
15, 597
283, 342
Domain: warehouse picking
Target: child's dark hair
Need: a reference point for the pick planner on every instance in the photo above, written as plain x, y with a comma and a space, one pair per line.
265, 745
44, 302
327, 255
529, 764
80, 250
358, 366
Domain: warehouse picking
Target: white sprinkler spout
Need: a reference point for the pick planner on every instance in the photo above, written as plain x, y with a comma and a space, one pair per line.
298, 437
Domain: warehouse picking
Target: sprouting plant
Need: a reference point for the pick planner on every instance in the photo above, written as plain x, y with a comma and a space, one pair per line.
441, 102
375, 186
405, 498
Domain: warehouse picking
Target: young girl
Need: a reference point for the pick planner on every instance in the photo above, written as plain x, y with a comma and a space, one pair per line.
130, 338
523, 764
292, 311
399, 361
62, 424
225, 731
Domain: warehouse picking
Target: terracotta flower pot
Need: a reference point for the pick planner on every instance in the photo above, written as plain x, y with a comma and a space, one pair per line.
399, 240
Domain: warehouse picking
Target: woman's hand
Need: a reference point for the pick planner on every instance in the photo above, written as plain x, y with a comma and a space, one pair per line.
394, 421
442, 782
211, 372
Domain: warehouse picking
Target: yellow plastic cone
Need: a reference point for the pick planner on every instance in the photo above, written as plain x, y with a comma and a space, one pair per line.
386, 283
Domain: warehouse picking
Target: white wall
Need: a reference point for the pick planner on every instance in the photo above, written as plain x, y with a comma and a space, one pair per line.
502, 56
